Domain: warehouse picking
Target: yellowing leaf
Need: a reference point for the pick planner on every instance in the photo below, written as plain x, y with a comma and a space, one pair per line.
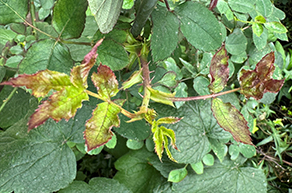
42, 82
135, 78
62, 104
98, 127
219, 70
161, 97
105, 81
231, 120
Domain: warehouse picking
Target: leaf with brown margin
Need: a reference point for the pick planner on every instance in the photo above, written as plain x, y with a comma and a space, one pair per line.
231, 120
41, 82
219, 70
80, 73
98, 127
62, 104
105, 81
254, 83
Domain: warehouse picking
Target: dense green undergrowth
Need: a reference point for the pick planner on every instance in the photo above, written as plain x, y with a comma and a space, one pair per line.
145, 96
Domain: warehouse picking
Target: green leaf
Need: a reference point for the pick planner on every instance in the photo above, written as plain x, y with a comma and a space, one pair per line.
98, 127
13, 11
180, 91
257, 29
161, 97
236, 42
17, 107
46, 54
231, 120
276, 27
254, 83
42, 82
113, 55
219, 148
135, 172
199, 26
6, 35
177, 175
134, 145
106, 13
219, 70
223, 8
201, 84
208, 160
2, 73
233, 152
128, 4
105, 81
193, 131
165, 33
225, 177
260, 41
69, 18
265, 7
170, 65
135, 78
198, 167
112, 142
39, 161
247, 151
242, 6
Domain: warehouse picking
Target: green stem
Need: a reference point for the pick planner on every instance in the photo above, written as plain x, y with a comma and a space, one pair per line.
7, 99
33, 18
202, 97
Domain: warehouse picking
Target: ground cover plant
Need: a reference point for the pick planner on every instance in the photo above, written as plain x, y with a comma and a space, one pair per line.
144, 96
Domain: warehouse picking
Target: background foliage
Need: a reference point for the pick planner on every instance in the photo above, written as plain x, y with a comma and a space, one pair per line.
181, 38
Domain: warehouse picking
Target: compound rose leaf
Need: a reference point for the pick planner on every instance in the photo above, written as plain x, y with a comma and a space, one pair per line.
62, 104
254, 83
98, 127
231, 120
80, 73
219, 70
41, 82
105, 81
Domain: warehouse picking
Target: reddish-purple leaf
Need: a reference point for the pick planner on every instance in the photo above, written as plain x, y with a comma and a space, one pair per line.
231, 120
213, 4
41, 82
98, 127
62, 104
80, 73
254, 83
219, 70
105, 81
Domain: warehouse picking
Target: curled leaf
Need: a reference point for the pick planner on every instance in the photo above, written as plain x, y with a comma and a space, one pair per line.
254, 83
135, 78
161, 97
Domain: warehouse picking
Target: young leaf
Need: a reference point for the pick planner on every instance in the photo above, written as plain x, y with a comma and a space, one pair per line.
219, 70
135, 78
177, 175
98, 127
62, 104
231, 120
158, 139
168, 120
80, 73
105, 81
161, 97
254, 83
42, 82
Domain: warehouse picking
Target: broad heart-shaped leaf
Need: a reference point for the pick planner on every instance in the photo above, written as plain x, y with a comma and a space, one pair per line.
254, 83
224, 177
136, 173
97, 185
40, 161
80, 73
98, 127
193, 131
46, 54
62, 104
42, 82
165, 33
69, 18
199, 26
106, 13
219, 70
105, 81
13, 11
231, 120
